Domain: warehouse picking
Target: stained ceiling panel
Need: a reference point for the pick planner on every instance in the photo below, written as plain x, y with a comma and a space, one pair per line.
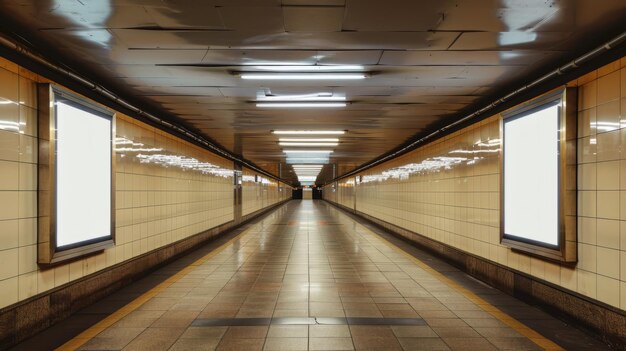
393, 16
230, 57
313, 19
455, 58
426, 61
509, 40
248, 18
198, 16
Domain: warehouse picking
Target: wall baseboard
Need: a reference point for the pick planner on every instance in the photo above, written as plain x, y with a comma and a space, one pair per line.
27, 318
605, 321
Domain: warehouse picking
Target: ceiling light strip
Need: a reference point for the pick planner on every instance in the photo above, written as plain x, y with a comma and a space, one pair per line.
300, 104
309, 140
303, 76
309, 132
307, 144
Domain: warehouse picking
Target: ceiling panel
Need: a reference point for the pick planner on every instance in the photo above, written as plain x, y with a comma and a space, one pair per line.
248, 18
453, 58
509, 40
186, 15
426, 60
312, 18
393, 16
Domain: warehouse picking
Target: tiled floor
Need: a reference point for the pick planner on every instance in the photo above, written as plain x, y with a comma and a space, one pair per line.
308, 259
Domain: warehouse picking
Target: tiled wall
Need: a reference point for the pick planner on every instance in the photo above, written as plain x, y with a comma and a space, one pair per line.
166, 190
449, 191
259, 192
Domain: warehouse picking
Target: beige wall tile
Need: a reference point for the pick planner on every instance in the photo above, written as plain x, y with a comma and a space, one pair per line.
608, 175
609, 145
608, 204
27, 234
608, 262
623, 81
587, 230
587, 203
587, 122
608, 116
9, 116
8, 208
27, 261
9, 146
28, 120
588, 95
27, 285
28, 149
608, 290
8, 234
608, 233
8, 85
608, 87
27, 176
587, 283
8, 268
9, 292
609, 68
28, 92
622, 269
9, 179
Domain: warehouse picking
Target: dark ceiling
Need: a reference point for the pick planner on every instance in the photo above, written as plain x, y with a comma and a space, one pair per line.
427, 60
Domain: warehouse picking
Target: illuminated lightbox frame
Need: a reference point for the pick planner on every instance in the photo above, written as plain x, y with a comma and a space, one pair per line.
76, 192
528, 222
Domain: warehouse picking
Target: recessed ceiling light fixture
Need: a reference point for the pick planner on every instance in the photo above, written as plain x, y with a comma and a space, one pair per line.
301, 159
308, 151
303, 76
309, 140
300, 104
307, 144
300, 98
307, 68
310, 132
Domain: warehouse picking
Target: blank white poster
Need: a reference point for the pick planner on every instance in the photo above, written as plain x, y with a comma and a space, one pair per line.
83, 175
531, 176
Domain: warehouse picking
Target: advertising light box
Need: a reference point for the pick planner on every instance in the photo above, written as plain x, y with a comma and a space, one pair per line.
538, 177
531, 175
76, 171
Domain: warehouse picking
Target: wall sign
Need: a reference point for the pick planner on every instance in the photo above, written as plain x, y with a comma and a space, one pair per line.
539, 177
76, 170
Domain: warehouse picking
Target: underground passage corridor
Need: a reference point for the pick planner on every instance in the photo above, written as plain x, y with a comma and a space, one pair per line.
359, 175
310, 277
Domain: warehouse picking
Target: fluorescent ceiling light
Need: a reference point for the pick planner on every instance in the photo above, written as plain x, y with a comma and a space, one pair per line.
307, 179
307, 144
295, 98
307, 160
308, 151
303, 76
310, 132
300, 104
312, 140
307, 68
